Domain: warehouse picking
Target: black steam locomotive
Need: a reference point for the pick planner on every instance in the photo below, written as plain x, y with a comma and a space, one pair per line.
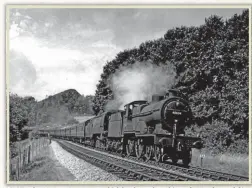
152, 130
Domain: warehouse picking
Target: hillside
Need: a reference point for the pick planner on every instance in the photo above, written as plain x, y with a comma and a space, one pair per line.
62, 107
56, 110
208, 63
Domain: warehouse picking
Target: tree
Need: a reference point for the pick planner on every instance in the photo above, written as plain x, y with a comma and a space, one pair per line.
20, 111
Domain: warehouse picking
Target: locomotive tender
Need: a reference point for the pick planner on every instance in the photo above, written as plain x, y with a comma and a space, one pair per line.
152, 130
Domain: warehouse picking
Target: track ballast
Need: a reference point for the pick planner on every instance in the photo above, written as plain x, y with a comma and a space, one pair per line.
133, 169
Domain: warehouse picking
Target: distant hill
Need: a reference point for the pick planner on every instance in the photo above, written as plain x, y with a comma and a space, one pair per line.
60, 109
66, 98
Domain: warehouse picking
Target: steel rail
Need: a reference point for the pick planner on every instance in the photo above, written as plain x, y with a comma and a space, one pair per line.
125, 168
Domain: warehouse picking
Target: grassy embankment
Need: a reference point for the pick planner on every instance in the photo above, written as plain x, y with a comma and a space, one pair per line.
226, 162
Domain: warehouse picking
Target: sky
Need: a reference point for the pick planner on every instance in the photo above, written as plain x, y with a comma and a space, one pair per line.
52, 50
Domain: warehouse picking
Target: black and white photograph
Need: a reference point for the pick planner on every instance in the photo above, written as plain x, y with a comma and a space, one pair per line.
128, 94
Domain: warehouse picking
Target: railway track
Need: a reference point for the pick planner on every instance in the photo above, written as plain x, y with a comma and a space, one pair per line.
192, 170
206, 173
220, 175
126, 169
200, 174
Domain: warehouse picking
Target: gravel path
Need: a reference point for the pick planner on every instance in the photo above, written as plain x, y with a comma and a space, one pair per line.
82, 170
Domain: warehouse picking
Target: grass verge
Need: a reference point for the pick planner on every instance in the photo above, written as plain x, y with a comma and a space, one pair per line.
226, 162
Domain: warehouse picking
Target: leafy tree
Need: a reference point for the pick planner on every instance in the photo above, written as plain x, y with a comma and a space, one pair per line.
20, 111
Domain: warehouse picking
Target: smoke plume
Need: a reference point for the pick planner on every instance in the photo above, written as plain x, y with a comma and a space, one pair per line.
139, 82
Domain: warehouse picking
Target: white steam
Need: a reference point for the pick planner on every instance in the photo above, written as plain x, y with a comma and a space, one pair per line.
139, 82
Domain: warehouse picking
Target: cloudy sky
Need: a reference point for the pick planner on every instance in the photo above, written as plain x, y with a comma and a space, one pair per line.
52, 50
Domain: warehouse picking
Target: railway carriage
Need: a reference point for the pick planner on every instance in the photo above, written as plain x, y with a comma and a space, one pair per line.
53, 133
73, 132
57, 133
62, 132
68, 133
80, 132
88, 133
49, 132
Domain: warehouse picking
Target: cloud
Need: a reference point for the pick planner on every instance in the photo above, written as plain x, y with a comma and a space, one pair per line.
57, 67
58, 49
22, 72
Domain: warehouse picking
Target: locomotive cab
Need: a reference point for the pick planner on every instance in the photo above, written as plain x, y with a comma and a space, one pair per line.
129, 124
129, 108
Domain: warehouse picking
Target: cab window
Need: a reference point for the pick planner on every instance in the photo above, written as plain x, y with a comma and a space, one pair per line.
130, 109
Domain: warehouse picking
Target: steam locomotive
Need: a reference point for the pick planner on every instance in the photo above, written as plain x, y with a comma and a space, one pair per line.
149, 130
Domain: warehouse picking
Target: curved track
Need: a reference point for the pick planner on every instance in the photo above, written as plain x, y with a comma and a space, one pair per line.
176, 172
124, 168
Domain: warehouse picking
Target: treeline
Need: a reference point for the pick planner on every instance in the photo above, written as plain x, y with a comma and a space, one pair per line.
212, 66
21, 109
58, 109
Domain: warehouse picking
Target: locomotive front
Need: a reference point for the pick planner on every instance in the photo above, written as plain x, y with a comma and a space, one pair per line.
175, 115
166, 118
172, 112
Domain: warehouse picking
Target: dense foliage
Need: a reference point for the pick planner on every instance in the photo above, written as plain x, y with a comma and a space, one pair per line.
212, 71
21, 109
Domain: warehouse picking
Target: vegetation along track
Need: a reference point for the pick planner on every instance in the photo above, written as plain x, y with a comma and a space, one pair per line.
192, 171
124, 168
